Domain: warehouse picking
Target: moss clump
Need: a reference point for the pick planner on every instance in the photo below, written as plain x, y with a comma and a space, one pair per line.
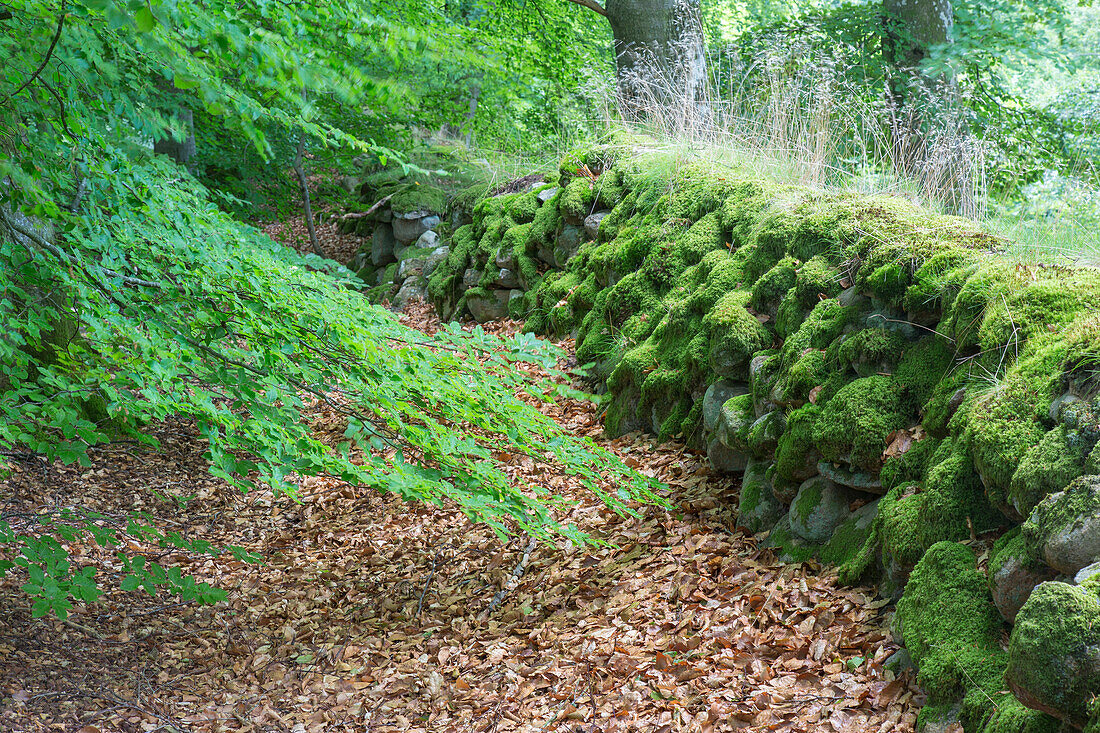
871, 351
1003, 424
953, 499
953, 632
774, 284
795, 456
522, 207
849, 538
800, 378
889, 282
1051, 653
735, 334
909, 466
1059, 514
938, 281
1046, 468
923, 367
578, 199
898, 533
856, 422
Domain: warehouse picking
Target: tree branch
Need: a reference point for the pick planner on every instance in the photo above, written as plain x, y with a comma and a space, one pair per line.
591, 5
49, 53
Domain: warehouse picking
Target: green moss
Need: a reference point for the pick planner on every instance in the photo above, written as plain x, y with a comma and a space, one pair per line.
795, 455
794, 384
578, 199
822, 326
871, 351
849, 538
909, 466
1056, 627
923, 367
855, 423
702, 238
1046, 468
735, 334
1003, 424
888, 283
954, 498
953, 632
545, 224
522, 207
774, 284
938, 281
898, 531
1011, 545
1060, 512
419, 197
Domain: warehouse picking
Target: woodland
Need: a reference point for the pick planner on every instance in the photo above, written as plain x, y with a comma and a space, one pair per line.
550, 365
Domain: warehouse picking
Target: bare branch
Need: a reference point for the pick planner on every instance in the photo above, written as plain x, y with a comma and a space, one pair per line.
591, 5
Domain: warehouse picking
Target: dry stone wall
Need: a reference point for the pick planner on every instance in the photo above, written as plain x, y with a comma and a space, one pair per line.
893, 393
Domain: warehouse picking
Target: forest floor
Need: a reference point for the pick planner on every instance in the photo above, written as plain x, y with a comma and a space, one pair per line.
369, 614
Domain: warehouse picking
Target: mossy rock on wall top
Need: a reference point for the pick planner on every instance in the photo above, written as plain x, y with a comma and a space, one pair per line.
862, 341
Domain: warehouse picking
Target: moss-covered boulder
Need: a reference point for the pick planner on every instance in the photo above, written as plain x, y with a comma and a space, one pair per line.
818, 509
1064, 528
757, 509
1054, 651
855, 423
953, 632
1013, 574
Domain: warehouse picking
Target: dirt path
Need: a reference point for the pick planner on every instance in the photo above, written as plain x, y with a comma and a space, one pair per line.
371, 614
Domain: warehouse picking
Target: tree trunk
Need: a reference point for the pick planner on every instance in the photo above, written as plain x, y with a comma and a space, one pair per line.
183, 150
912, 28
659, 58
304, 182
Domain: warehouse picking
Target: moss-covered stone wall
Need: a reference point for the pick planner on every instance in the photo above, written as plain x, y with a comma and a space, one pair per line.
896, 394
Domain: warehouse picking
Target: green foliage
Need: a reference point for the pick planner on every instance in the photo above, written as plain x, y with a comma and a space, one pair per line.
130, 297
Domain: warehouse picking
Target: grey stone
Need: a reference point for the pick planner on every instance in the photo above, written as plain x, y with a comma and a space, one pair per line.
784, 490
1065, 526
505, 259
435, 259
888, 320
409, 267
381, 245
899, 662
757, 508
567, 244
546, 194
818, 509
850, 297
858, 480
724, 459
488, 307
428, 240
1087, 572
1060, 403
471, 278
413, 289
717, 395
1013, 582
733, 421
507, 279
592, 223
409, 227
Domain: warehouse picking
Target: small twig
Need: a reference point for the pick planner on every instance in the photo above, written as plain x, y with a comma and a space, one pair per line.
362, 214
83, 629
428, 582
499, 597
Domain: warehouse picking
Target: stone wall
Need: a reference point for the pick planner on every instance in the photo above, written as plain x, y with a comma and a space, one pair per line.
894, 393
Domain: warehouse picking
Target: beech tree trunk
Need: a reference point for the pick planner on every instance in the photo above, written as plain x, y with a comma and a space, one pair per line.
659, 55
183, 150
913, 27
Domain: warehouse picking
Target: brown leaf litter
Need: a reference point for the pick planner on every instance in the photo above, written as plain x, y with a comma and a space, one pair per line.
370, 614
